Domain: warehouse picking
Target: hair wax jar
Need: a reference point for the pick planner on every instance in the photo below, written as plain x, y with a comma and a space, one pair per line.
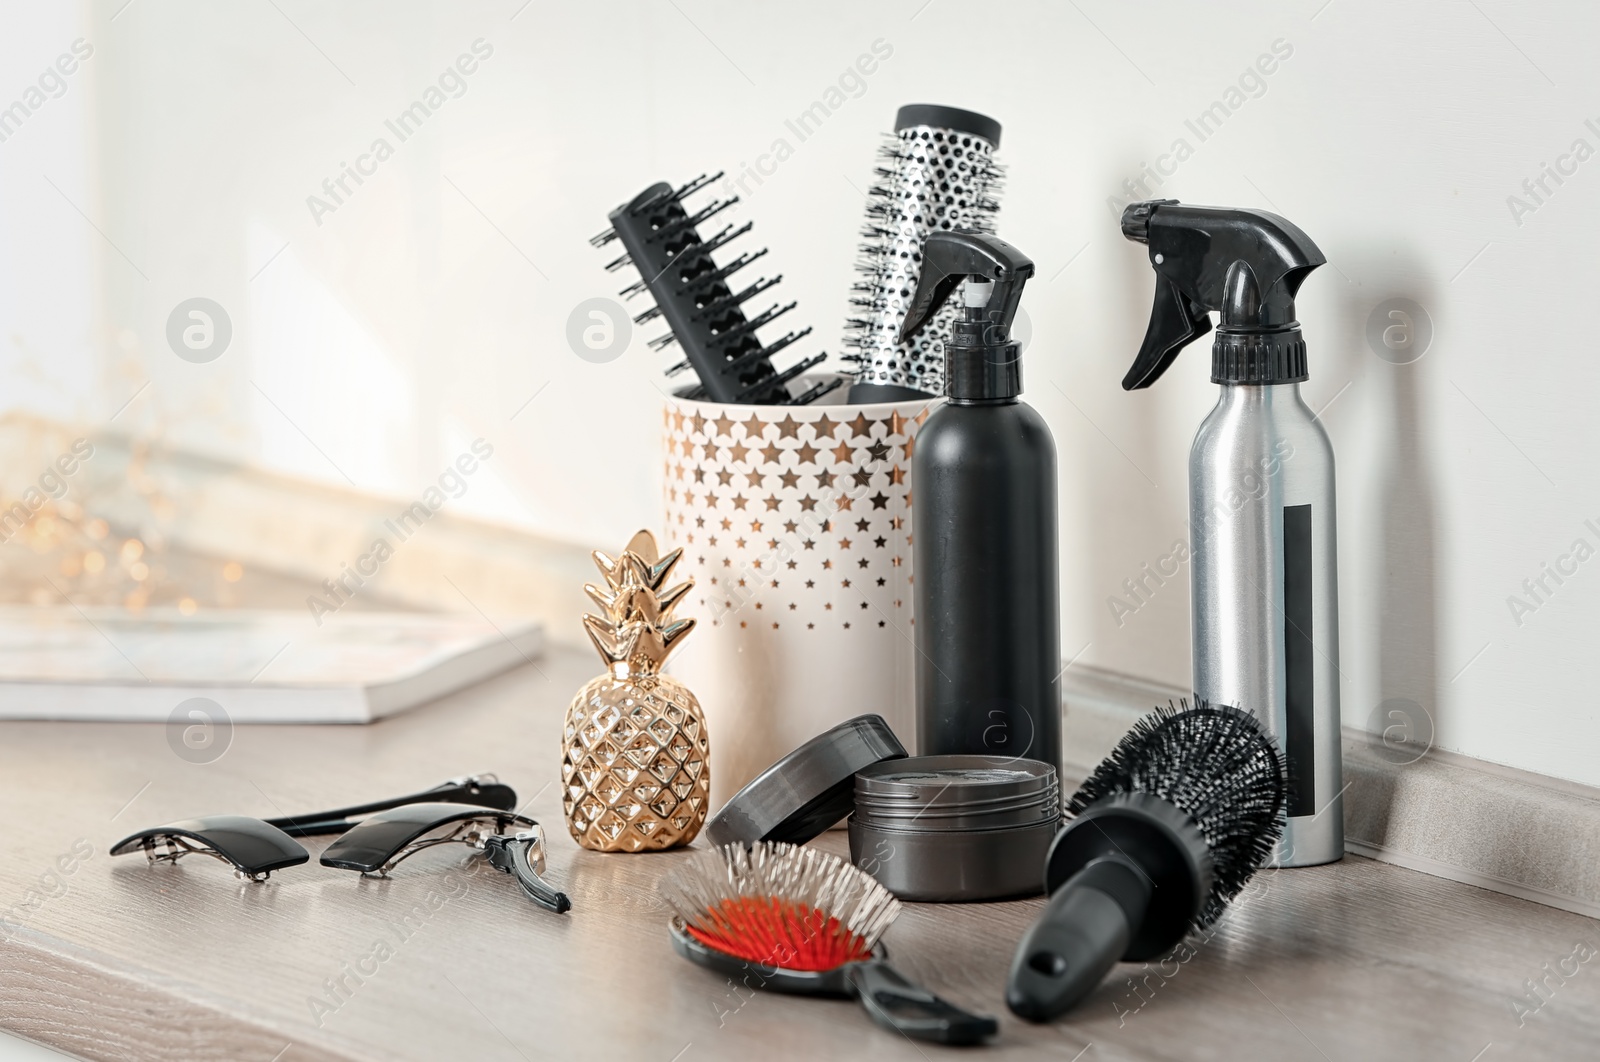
956, 828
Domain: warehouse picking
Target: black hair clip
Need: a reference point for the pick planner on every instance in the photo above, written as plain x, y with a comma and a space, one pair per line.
257, 847
373, 847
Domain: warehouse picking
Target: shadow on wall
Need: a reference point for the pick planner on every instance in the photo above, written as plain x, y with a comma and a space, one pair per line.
1399, 528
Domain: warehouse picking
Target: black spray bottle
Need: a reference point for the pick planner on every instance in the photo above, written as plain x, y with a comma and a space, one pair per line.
1262, 573
984, 508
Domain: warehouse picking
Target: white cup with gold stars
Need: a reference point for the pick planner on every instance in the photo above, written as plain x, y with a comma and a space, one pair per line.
796, 523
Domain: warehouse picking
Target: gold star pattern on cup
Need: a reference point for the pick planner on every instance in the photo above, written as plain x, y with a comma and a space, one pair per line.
857, 466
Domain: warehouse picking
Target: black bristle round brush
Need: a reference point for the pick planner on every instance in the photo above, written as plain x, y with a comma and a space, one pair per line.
1165, 832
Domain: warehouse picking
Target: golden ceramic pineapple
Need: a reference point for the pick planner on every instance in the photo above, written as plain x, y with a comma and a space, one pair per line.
634, 750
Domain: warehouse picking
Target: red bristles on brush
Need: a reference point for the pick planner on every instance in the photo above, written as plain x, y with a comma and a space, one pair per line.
774, 932
781, 905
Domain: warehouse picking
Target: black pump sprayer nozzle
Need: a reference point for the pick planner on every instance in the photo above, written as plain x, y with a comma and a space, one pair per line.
1246, 264
981, 359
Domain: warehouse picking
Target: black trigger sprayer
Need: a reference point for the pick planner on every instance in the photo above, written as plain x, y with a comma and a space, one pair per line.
1263, 570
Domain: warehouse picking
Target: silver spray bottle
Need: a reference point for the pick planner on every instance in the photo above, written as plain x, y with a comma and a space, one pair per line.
1263, 576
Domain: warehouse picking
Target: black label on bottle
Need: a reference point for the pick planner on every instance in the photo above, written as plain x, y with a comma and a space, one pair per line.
1299, 665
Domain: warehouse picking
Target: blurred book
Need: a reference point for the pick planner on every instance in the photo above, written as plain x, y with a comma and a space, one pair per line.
259, 666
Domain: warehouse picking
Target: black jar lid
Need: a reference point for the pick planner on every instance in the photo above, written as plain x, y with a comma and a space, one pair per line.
807, 791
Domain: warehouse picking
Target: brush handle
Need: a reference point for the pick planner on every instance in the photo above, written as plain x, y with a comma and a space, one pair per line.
895, 1003
1080, 935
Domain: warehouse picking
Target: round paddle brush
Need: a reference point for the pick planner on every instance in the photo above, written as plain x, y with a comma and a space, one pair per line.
800, 920
1165, 832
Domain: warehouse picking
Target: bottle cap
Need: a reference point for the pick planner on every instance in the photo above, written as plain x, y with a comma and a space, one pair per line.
807, 791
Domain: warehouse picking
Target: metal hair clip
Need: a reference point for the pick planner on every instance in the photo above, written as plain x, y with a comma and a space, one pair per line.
377, 844
257, 847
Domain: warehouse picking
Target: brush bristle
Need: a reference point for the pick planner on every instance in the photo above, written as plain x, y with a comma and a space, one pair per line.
925, 180
781, 905
1217, 765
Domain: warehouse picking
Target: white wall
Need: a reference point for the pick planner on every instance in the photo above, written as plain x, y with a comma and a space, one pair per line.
49, 281
428, 309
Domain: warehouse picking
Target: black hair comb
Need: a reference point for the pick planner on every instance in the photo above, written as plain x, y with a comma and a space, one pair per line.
662, 240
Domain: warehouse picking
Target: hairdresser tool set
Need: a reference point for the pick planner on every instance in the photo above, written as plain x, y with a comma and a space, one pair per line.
801, 519
1192, 801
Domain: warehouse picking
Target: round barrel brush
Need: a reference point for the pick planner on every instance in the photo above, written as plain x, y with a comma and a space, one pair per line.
935, 172
801, 921
1165, 832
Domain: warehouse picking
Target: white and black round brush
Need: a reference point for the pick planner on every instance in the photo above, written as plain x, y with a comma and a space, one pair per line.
936, 172
1165, 832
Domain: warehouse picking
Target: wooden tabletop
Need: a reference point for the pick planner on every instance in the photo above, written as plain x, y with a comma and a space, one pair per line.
113, 959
